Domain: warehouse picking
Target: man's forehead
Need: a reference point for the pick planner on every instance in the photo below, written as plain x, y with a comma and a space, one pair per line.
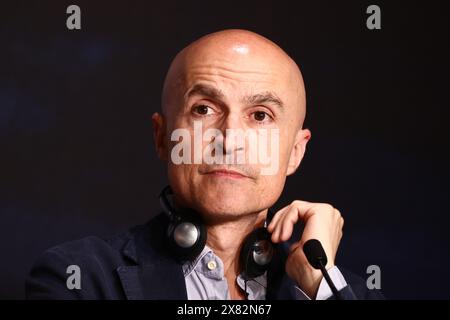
236, 77
250, 70
252, 65
249, 98
245, 75
236, 51
234, 62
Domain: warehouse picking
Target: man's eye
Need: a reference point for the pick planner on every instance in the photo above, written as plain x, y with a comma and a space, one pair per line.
203, 109
260, 116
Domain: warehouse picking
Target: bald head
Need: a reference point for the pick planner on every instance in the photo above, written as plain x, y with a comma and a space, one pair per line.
242, 56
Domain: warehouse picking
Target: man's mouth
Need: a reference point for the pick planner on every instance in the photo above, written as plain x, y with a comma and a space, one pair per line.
227, 173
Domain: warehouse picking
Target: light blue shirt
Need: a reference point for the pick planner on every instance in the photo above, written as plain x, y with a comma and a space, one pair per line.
205, 280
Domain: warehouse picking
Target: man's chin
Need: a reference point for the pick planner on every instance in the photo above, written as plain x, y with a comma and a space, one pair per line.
215, 215
226, 210
228, 189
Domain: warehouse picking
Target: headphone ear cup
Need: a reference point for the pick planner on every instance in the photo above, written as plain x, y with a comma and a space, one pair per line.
256, 253
186, 238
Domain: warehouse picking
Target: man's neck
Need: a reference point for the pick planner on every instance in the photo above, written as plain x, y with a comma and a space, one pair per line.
226, 239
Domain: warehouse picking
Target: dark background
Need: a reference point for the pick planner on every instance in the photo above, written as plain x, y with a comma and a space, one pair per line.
77, 156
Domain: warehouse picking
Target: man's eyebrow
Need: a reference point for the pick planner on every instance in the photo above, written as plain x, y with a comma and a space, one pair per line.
217, 94
263, 98
205, 90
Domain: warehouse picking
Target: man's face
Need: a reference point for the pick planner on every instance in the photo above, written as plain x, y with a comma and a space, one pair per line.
233, 86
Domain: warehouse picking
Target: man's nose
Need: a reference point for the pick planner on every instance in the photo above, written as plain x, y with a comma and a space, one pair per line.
233, 132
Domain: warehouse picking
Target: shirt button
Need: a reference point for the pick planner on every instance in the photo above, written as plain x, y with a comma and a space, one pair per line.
212, 265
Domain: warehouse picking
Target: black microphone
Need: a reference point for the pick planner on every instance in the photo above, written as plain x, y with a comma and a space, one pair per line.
317, 258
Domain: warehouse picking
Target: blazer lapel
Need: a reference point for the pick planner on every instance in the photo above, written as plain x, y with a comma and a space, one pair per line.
155, 275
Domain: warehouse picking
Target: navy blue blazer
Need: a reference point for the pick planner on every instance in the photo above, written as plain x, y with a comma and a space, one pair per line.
138, 265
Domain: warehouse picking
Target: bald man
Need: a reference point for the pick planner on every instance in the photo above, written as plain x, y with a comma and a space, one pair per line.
231, 131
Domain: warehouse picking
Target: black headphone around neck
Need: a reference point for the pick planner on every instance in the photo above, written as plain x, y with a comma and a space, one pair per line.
187, 237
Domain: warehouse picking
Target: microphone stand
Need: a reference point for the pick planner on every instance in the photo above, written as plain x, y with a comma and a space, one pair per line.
325, 274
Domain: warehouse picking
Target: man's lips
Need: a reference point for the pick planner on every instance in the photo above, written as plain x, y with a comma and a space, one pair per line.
227, 173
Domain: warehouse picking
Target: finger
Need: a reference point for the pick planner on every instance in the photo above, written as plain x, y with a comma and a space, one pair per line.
275, 227
284, 226
287, 224
276, 230
275, 218
303, 208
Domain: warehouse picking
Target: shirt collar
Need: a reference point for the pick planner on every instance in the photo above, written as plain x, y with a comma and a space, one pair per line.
189, 266
256, 287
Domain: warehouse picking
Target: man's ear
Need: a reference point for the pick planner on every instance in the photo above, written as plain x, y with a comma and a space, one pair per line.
159, 135
298, 150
